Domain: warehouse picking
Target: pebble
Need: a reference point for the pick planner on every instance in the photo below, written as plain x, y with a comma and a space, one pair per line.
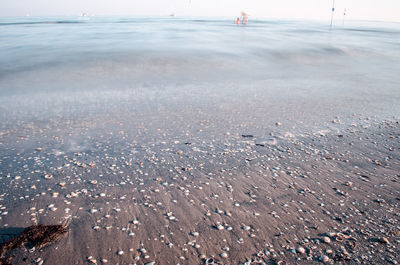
348, 184
120, 252
172, 218
384, 240
220, 227
224, 255
324, 259
92, 260
246, 228
326, 240
301, 250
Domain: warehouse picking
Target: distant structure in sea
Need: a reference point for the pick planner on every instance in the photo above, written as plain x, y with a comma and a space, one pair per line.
333, 11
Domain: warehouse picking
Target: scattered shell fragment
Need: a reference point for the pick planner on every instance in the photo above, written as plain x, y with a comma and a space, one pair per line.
324, 259
194, 233
219, 227
224, 255
301, 250
246, 228
326, 239
92, 260
384, 240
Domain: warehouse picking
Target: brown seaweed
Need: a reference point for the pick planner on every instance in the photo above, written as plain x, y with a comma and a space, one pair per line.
36, 236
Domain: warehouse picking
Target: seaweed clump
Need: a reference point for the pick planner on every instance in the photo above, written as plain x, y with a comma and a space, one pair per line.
32, 237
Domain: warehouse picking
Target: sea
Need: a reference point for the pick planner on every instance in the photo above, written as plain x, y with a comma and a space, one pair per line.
68, 66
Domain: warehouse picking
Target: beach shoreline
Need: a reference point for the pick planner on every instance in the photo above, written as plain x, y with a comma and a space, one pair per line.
234, 198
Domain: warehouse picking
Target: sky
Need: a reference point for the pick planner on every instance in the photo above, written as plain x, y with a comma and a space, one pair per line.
383, 10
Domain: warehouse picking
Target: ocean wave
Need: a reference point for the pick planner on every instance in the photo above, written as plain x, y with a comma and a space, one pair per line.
39, 22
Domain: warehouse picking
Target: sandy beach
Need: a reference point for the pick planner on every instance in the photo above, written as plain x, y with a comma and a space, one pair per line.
190, 194
150, 158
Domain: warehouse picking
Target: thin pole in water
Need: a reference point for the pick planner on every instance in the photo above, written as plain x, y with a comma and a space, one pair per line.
333, 10
344, 15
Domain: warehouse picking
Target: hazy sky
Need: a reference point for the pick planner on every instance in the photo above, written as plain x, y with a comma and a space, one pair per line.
388, 10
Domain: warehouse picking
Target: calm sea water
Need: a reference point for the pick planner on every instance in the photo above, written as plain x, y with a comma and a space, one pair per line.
194, 60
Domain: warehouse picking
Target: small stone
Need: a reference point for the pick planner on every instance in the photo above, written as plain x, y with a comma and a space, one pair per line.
220, 227
301, 250
246, 228
195, 233
324, 259
172, 218
326, 240
224, 255
384, 240
348, 184
120, 252
38, 149
92, 260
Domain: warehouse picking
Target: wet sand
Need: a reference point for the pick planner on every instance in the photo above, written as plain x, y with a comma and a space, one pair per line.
227, 188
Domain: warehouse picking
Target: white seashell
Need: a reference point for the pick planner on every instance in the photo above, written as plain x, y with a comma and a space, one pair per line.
301, 250
246, 228
326, 239
220, 227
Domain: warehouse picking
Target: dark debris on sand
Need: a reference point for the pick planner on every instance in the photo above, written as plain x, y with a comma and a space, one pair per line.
36, 236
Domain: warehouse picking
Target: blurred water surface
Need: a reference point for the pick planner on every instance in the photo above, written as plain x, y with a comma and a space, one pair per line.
169, 60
